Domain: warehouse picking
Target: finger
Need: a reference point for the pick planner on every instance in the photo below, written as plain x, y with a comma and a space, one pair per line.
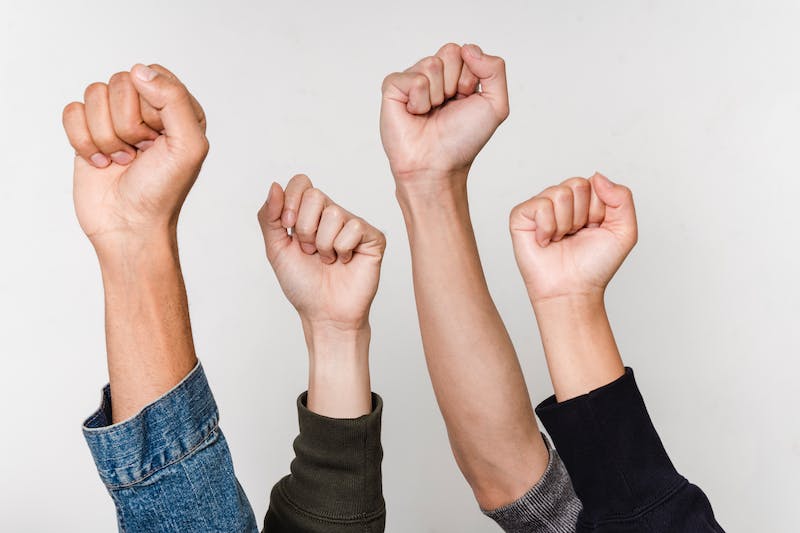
411, 89
150, 115
452, 64
597, 210
467, 82
432, 68
74, 120
294, 194
563, 202
332, 221
184, 125
581, 196
359, 237
536, 215
491, 71
126, 113
312, 204
98, 118
269, 218
618, 199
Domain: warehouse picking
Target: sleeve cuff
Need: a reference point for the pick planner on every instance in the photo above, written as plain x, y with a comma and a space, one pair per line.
172, 427
550, 506
336, 473
611, 450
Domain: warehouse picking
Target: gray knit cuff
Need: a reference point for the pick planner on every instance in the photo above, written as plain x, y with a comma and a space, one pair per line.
551, 506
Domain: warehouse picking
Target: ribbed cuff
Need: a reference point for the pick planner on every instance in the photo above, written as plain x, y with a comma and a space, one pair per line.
172, 427
336, 473
611, 450
550, 506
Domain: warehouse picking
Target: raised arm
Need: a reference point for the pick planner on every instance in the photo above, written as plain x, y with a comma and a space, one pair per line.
569, 241
328, 268
140, 141
434, 122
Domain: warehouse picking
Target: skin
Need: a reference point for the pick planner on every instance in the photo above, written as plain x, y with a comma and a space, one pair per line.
329, 268
433, 124
569, 241
139, 142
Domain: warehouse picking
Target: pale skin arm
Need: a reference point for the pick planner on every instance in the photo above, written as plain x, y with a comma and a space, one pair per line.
472, 363
139, 142
569, 241
329, 268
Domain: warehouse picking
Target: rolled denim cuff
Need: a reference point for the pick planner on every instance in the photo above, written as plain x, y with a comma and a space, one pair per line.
161, 434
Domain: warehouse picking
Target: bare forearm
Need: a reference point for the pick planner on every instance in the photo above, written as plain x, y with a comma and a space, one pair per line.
579, 345
472, 363
338, 371
148, 333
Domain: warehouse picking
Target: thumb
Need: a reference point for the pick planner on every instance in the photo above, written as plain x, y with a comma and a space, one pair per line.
269, 217
181, 116
620, 211
491, 72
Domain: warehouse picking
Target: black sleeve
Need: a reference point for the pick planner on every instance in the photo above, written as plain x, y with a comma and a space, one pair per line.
618, 465
335, 482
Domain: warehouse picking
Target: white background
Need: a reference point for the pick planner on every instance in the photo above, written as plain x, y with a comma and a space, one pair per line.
695, 105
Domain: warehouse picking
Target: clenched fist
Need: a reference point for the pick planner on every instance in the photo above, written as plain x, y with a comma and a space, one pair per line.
139, 142
329, 266
437, 115
570, 239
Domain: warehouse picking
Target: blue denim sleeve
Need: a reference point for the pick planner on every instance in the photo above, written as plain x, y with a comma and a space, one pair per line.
169, 468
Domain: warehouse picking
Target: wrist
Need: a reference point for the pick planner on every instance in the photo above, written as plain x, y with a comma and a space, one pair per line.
428, 186
338, 370
583, 302
445, 205
130, 252
327, 340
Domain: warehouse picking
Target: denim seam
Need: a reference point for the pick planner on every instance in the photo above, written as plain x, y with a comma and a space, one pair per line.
197, 447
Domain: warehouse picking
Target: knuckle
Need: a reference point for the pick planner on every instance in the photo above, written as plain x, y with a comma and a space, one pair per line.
387, 81
95, 90
419, 81
119, 77
70, 110
432, 63
300, 179
451, 49
314, 195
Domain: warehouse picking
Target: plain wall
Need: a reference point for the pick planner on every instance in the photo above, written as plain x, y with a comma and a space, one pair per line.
695, 105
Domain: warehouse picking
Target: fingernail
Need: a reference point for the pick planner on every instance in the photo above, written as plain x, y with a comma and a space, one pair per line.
145, 73
329, 260
99, 160
308, 248
121, 158
269, 194
474, 50
144, 145
545, 243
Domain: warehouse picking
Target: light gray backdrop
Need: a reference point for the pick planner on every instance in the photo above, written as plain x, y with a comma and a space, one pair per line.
695, 105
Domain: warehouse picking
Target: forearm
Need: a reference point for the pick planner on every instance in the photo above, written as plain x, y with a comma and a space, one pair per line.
338, 371
579, 345
148, 334
472, 363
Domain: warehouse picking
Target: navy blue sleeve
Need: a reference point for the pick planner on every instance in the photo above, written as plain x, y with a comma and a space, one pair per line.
619, 467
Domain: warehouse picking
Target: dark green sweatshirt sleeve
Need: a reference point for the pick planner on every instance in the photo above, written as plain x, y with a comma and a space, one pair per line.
335, 482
